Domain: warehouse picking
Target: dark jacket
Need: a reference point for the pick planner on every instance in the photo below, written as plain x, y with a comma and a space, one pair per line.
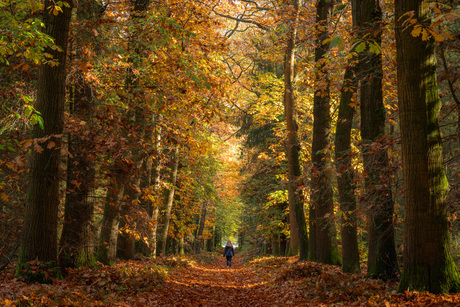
229, 251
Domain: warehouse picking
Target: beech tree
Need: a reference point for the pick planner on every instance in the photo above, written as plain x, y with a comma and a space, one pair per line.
343, 161
41, 219
299, 237
382, 260
76, 244
326, 249
427, 264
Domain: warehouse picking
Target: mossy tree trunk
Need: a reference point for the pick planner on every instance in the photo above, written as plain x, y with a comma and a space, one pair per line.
321, 181
382, 261
428, 263
41, 214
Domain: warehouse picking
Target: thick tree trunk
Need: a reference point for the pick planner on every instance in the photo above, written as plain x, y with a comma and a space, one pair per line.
321, 181
382, 262
428, 263
345, 185
41, 215
170, 197
299, 236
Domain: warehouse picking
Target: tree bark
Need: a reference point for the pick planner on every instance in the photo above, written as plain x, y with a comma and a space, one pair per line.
126, 240
345, 185
299, 236
170, 197
343, 162
107, 247
76, 244
200, 230
41, 215
321, 181
153, 209
382, 261
428, 263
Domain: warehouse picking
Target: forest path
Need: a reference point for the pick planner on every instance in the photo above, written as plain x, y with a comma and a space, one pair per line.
216, 285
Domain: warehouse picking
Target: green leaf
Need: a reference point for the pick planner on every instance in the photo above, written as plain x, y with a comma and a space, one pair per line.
336, 41
374, 48
361, 47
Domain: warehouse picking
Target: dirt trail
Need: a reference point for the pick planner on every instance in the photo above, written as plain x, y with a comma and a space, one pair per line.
217, 285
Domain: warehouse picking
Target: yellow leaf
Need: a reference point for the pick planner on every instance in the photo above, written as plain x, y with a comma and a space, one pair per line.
424, 34
56, 10
4, 197
416, 31
438, 37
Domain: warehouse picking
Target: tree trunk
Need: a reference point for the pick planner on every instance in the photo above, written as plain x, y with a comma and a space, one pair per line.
345, 185
41, 213
107, 247
343, 162
382, 262
199, 233
170, 196
126, 240
321, 185
76, 244
154, 210
299, 236
428, 263
127, 227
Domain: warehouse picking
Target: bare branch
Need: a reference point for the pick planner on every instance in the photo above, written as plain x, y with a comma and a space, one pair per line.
244, 20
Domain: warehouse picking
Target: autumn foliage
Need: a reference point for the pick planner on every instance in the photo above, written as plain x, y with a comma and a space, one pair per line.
138, 135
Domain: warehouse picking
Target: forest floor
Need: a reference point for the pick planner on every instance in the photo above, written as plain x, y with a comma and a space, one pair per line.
206, 281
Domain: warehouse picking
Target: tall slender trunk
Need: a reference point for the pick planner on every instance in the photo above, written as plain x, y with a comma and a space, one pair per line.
428, 263
107, 247
382, 261
299, 236
343, 162
345, 185
135, 118
41, 213
321, 184
153, 209
170, 196
199, 233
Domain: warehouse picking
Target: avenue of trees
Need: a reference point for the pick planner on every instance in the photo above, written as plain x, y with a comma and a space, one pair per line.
325, 129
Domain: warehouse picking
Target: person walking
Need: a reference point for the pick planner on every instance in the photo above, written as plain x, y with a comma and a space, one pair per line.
229, 252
